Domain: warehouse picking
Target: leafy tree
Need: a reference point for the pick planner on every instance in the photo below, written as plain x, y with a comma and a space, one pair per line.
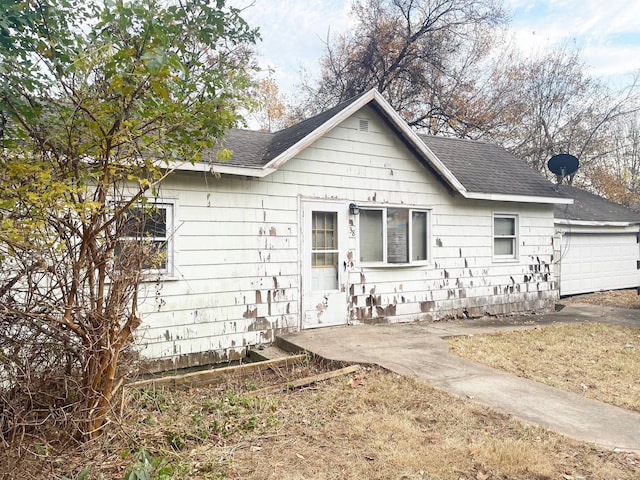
99, 101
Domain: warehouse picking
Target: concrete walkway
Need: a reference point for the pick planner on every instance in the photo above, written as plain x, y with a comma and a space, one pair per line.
418, 350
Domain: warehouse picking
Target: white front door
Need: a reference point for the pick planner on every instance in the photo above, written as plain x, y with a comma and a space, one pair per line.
324, 235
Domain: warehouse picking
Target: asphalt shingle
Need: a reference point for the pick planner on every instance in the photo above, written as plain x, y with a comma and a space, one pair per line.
248, 147
593, 208
485, 168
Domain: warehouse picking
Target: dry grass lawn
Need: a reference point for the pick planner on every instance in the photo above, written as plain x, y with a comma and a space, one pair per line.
599, 361
369, 425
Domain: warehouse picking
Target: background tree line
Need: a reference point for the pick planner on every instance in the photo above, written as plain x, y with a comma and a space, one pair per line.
451, 68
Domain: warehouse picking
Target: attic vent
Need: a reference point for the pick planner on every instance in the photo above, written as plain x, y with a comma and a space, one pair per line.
363, 125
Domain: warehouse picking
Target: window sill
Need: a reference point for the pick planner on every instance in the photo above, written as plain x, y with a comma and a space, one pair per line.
158, 277
395, 265
505, 260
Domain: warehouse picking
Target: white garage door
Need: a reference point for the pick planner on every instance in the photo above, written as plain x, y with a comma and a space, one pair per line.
592, 262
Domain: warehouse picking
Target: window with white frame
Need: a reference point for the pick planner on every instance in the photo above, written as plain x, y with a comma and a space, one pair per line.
324, 251
505, 236
148, 231
393, 235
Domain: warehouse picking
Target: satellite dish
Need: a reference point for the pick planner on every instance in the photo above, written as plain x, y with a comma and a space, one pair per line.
563, 165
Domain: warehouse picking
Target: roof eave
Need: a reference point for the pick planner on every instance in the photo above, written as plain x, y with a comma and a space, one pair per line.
594, 223
258, 172
502, 197
222, 169
184, 166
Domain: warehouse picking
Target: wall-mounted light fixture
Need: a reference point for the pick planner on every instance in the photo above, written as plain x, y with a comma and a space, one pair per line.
354, 209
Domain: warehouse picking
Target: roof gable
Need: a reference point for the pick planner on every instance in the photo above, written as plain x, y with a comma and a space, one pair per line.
291, 141
475, 170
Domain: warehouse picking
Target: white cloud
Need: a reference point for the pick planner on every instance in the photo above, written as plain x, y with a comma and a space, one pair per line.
294, 33
608, 60
607, 31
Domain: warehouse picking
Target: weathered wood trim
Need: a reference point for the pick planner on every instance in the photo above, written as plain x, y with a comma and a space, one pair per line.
562, 221
217, 375
241, 171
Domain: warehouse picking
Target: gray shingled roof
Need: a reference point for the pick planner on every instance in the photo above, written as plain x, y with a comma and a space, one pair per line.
593, 208
248, 146
486, 168
288, 137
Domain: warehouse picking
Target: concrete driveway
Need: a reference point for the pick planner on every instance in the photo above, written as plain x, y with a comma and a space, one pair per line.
418, 350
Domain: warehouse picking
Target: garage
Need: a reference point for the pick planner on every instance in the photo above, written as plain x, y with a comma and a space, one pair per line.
596, 261
597, 245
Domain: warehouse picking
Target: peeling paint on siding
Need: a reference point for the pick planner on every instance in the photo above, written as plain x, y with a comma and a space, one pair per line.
251, 313
427, 306
259, 324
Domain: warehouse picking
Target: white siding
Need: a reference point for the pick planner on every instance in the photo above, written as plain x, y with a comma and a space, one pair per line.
237, 277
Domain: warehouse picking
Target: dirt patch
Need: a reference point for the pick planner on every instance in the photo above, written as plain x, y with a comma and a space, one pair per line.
367, 425
612, 298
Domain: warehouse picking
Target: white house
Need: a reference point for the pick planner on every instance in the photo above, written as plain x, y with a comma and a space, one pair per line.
598, 244
347, 217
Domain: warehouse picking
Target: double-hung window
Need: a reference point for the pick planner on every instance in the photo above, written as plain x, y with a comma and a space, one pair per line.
147, 231
393, 235
505, 237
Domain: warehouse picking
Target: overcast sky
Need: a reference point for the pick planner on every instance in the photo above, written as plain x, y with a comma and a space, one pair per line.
608, 32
